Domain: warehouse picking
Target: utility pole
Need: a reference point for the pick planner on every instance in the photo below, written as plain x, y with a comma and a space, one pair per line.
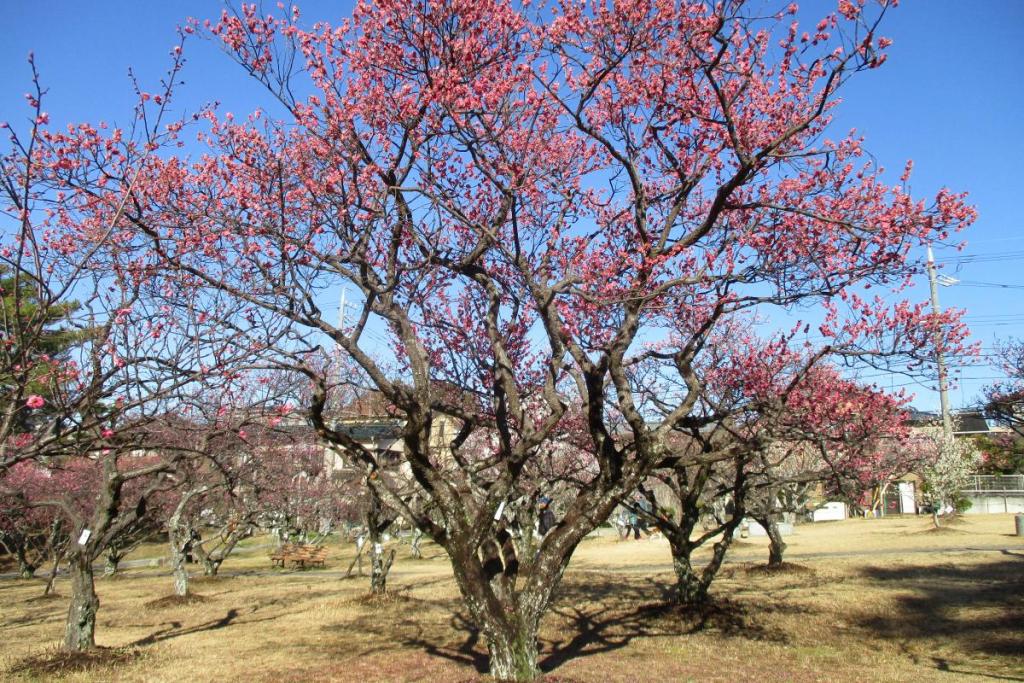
341, 309
341, 330
947, 421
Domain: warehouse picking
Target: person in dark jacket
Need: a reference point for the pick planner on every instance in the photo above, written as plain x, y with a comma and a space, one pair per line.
639, 518
546, 516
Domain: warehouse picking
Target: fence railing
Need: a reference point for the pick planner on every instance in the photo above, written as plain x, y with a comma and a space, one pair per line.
995, 483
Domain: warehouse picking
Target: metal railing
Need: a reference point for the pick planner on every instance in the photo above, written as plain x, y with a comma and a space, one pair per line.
995, 483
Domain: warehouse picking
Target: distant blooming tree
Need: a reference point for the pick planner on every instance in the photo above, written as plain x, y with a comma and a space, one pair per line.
93, 356
1000, 453
529, 203
953, 460
29, 533
783, 426
1004, 401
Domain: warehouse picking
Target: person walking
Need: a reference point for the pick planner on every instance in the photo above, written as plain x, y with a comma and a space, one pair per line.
634, 524
643, 510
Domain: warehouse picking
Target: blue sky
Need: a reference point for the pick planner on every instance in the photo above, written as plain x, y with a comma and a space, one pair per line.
949, 97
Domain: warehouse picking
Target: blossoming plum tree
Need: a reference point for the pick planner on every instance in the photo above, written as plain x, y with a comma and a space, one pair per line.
92, 409
776, 421
523, 197
1004, 400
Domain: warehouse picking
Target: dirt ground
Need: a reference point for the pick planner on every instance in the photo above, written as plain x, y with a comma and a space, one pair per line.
866, 600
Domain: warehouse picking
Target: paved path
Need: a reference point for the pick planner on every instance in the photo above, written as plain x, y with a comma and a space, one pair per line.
795, 556
154, 562
650, 567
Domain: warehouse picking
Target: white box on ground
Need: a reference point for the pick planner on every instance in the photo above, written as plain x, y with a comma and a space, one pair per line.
829, 512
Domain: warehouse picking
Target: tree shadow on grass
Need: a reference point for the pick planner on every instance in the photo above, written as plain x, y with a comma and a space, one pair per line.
174, 629
591, 615
976, 608
602, 614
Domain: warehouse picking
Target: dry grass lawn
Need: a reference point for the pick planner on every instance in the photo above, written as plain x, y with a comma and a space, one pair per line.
867, 600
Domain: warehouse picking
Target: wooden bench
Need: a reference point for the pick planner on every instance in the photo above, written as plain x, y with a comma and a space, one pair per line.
301, 556
309, 556
282, 554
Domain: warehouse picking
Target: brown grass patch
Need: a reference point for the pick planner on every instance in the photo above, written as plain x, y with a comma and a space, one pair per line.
878, 597
177, 601
784, 568
57, 662
209, 580
943, 530
388, 599
551, 678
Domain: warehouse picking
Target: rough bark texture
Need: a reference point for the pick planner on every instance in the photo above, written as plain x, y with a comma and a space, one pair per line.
26, 569
57, 555
379, 569
380, 562
513, 651
692, 586
111, 563
509, 623
777, 546
213, 559
507, 594
80, 629
178, 568
688, 585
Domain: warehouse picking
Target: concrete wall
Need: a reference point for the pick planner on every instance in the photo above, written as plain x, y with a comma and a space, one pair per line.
755, 529
994, 503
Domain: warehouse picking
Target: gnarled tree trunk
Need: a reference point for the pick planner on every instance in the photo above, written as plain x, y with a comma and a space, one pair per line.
112, 562
690, 590
178, 537
380, 562
80, 629
776, 546
512, 647
508, 621
211, 565
692, 586
26, 567
213, 559
380, 566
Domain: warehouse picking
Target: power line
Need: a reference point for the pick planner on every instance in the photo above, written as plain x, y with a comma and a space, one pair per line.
994, 285
992, 257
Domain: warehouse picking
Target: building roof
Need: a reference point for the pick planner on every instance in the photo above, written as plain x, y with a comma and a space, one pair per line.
970, 422
371, 429
965, 421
